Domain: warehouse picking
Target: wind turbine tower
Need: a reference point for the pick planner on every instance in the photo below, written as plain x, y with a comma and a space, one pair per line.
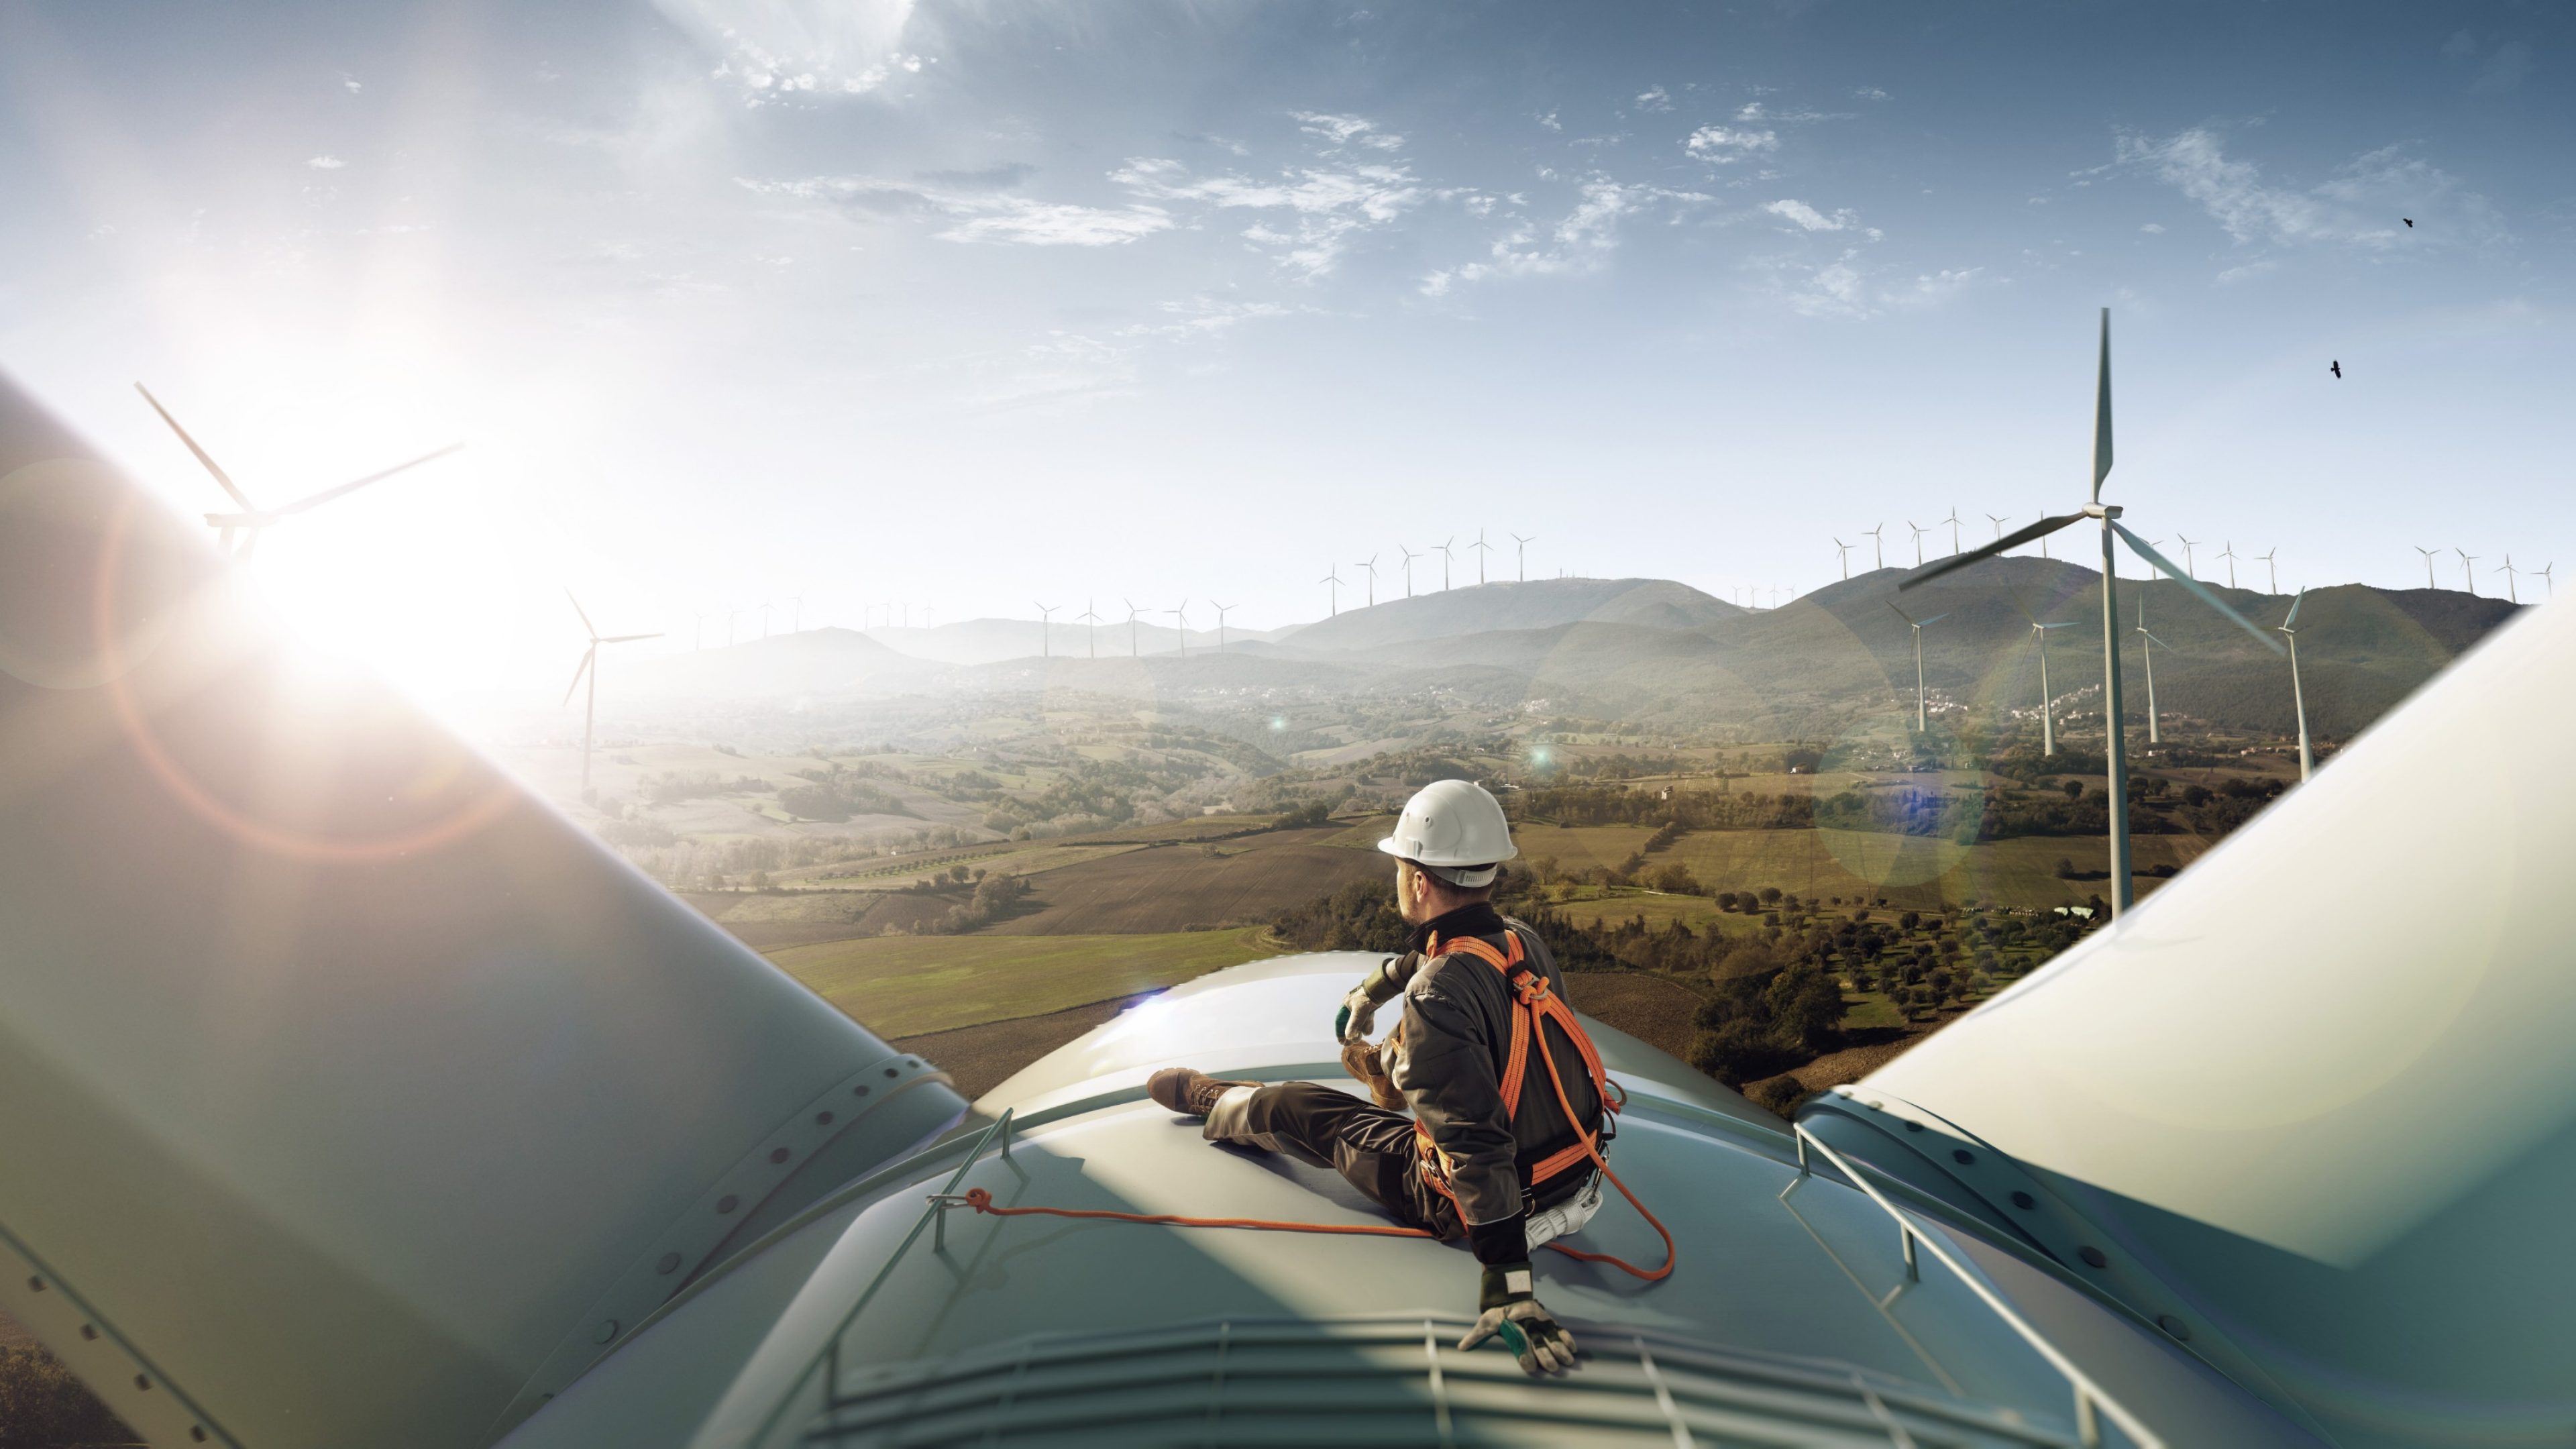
589, 669
1520, 546
2189, 567
2113, 531
1445, 557
1919, 531
1877, 547
2271, 562
1482, 548
1181, 625
1409, 557
1091, 627
1953, 521
796, 613
1843, 551
1921, 710
1046, 627
2546, 580
1999, 520
2039, 641
2512, 595
2147, 645
2468, 570
2428, 565
1332, 579
1370, 565
1220, 623
2298, 696
2229, 553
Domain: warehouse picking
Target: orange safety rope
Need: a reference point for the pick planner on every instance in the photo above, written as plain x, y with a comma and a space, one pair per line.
982, 1201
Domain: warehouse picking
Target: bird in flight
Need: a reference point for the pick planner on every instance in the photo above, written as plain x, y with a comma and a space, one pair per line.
2335, 367
2410, 222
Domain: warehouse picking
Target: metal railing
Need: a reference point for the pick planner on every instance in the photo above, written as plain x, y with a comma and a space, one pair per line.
828, 1362
2090, 1398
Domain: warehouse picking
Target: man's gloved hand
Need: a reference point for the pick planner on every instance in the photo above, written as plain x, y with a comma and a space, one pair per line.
1511, 1310
1358, 1015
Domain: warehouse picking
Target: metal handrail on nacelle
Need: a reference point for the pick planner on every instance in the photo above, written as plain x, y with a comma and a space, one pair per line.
2089, 1396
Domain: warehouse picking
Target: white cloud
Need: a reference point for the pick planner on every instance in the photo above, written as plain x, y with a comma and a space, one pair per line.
1579, 243
2359, 206
782, 48
1655, 98
1207, 317
2153, 228
1348, 131
1810, 218
1327, 207
350, 84
1720, 144
1870, 93
1757, 111
977, 216
1550, 121
326, 163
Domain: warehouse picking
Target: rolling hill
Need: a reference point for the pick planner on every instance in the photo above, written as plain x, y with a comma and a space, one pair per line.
1538, 604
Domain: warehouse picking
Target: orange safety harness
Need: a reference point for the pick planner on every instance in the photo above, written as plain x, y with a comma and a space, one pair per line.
1534, 1005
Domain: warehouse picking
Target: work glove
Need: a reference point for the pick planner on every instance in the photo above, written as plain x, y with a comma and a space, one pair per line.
1511, 1310
1358, 1015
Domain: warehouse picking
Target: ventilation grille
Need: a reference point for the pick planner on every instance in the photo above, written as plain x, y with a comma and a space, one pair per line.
1388, 1382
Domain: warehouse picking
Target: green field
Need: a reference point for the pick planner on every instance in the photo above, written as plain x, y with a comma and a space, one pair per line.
1911, 871
907, 985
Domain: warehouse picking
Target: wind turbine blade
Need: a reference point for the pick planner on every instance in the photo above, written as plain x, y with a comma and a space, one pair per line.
1935, 619
628, 638
250, 544
1908, 618
2152, 639
2102, 413
2012, 540
327, 494
2060, 624
220, 476
2144, 550
587, 627
584, 668
2294, 609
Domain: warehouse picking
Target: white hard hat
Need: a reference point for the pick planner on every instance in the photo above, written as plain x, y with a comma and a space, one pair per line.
1455, 830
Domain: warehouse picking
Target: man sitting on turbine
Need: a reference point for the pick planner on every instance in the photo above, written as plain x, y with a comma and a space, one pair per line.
1499, 1147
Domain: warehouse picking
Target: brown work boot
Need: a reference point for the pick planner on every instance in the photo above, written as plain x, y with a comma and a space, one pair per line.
1190, 1092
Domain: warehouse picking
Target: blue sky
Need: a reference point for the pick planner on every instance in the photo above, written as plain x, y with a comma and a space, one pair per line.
974, 305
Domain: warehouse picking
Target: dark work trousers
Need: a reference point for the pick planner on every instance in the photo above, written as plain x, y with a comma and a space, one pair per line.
1362, 1141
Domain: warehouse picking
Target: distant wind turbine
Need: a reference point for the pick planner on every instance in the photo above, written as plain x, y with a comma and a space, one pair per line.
698, 640
1370, 565
2229, 553
1953, 521
2188, 545
2552, 584
2147, 645
2428, 565
1181, 624
1877, 552
1409, 557
1919, 531
2115, 743
1046, 626
2298, 696
2000, 520
1482, 548
254, 520
2270, 562
2043, 539
1520, 546
1921, 711
1445, 557
1132, 612
2468, 570
2511, 594
1333, 593
796, 613
1220, 623
2039, 640
1843, 551
1091, 627
589, 669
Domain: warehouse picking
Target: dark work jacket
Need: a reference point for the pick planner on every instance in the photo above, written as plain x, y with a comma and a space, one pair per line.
1455, 1048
